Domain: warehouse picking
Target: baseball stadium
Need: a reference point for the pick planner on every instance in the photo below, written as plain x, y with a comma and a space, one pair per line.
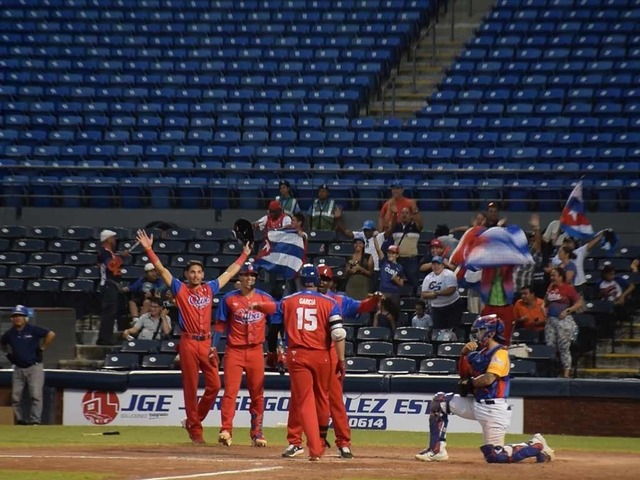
356, 239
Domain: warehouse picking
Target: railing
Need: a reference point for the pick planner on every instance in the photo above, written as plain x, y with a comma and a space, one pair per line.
430, 29
392, 82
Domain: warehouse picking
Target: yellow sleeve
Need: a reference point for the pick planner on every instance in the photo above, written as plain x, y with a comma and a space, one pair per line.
499, 364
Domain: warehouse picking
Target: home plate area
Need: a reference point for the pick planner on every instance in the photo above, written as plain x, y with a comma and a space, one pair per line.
187, 462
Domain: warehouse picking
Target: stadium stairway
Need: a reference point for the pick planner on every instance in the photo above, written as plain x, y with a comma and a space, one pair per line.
428, 74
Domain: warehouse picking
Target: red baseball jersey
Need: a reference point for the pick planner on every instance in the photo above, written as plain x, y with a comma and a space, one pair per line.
194, 305
244, 326
309, 317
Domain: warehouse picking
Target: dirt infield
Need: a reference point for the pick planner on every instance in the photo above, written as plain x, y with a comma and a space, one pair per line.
214, 461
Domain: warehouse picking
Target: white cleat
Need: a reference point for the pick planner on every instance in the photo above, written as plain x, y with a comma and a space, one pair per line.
547, 451
429, 456
224, 437
183, 422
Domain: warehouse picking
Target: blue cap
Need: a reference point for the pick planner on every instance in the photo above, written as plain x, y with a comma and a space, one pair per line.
395, 184
248, 268
369, 225
20, 310
309, 275
436, 259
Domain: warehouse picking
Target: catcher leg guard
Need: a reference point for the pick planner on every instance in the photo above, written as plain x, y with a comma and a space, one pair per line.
438, 421
495, 454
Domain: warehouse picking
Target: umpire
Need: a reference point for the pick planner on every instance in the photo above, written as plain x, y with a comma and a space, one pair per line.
21, 343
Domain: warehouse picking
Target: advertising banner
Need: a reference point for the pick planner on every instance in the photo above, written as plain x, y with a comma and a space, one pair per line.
367, 411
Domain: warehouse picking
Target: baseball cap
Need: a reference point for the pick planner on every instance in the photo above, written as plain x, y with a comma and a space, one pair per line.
325, 271
395, 184
369, 225
248, 268
393, 249
492, 204
436, 243
148, 267
274, 206
284, 182
323, 186
436, 259
105, 234
359, 237
20, 310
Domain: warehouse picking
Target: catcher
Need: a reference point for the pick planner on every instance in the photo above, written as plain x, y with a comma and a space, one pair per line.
483, 392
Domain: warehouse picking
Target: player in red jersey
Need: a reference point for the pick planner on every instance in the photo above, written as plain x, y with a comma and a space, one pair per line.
311, 322
246, 330
349, 308
194, 300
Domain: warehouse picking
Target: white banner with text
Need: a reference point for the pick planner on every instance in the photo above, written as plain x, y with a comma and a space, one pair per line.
367, 411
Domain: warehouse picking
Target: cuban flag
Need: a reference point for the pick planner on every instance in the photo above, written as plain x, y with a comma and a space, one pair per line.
572, 219
494, 247
283, 253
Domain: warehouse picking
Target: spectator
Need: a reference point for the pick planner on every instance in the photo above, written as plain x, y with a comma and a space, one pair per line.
143, 290
23, 347
561, 301
529, 311
567, 257
358, 271
532, 274
289, 204
153, 325
616, 289
396, 203
493, 216
110, 275
391, 281
440, 287
275, 219
635, 265
406, 235
324, 212
496, 290
436, 249
371, 235
421, 319
580, 254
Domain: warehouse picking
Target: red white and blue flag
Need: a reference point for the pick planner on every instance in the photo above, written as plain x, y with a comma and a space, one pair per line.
494, 247
283, 253
573, 220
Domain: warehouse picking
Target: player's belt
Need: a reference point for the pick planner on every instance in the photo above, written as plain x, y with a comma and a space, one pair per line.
491, 401
200, 337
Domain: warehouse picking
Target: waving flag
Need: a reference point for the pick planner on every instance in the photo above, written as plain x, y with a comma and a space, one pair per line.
283, 253
493, 247
572, 219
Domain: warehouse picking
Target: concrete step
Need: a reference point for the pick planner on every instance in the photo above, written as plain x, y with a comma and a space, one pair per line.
80, 364
94, 352
86, 337
608, 373
621, 345
618, 360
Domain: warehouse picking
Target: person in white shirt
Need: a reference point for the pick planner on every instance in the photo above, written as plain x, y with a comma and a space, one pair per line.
421, 319
580, 253
154, 325
440, 287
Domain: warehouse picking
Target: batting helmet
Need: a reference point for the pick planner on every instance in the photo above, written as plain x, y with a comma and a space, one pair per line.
20, 310
309, 275
486, 327
243, 230
325, 271
248, 268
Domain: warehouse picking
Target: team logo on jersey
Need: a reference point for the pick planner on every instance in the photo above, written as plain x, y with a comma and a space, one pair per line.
100, 408
247, 316
198, 301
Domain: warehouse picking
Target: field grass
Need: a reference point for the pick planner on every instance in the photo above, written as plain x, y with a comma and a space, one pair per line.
46, 436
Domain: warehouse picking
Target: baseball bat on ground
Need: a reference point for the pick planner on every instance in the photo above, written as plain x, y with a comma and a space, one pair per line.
100, 433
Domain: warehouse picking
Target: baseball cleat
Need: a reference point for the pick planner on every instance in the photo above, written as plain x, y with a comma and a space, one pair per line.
345, 452
547, 451
428, 455
183, 422
224, 437
198, 441
293, 451
314, 459
259, 440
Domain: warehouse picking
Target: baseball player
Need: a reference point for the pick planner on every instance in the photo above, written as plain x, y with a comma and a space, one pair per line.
311, 322
245, 329
194, 300
484, 372
349, 308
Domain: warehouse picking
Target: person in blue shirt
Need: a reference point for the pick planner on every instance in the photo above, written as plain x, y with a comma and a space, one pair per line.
143, 290
23, 345
392, 279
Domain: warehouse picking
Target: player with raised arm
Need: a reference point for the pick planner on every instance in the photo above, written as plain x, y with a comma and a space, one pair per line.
349, 308
246, 329
484, 373
194, 300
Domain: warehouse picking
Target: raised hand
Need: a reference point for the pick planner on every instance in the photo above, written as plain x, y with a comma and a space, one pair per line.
145, 240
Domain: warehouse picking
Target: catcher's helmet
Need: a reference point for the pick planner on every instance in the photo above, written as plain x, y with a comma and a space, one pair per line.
309, 275
248, 268
243, 230
486, 327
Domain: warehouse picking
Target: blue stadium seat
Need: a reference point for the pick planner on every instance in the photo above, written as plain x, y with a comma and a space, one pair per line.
251, 193
370, 193
101, 191
460, 194
191, 192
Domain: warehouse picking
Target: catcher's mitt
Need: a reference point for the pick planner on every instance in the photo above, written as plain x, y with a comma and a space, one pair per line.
243, 230
465, 387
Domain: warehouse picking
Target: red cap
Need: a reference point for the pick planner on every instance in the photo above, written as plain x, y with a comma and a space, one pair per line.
436, 243
274, 206
325, 271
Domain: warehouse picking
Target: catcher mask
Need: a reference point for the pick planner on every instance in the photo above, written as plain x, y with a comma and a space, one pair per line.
243, 230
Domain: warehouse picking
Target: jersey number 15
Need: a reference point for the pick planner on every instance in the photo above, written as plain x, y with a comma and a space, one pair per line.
307, 319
